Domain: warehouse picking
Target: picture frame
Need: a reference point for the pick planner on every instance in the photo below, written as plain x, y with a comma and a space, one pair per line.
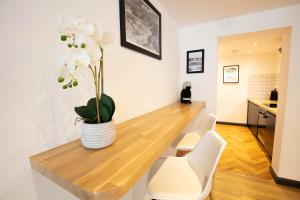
140, 27
231, 74
195, 61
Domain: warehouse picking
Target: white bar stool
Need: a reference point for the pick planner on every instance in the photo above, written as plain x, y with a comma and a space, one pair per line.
188, 177
190, 139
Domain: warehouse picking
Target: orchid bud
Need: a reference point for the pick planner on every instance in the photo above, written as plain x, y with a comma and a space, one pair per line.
60, 79
63, 37
75, 83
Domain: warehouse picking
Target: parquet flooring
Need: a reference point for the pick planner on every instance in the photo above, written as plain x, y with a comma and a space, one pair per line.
243, 170
243, 154
230, 186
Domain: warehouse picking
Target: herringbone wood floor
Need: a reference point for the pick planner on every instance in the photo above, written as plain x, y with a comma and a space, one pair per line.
230, 186
243, 154
243, 171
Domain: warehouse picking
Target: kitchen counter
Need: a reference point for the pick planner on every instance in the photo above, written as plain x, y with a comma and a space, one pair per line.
260, 103
111, 172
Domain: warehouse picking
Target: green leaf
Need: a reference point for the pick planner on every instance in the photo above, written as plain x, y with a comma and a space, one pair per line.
86, 113
107, 108
92, 104
105, 114
109, 103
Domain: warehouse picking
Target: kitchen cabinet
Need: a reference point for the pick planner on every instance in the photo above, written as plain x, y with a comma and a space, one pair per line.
252, 117
265, 133
262, 125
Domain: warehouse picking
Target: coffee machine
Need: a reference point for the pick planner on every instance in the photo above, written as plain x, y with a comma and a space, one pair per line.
186, 95
274, 95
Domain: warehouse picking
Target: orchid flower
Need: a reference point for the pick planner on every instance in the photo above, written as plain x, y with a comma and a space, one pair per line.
106, 40
86, 42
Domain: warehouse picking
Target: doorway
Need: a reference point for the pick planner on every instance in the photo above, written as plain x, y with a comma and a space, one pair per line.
250, 67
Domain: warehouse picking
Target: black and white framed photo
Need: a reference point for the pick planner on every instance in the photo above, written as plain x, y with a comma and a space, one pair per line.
231, 74
195, 61
140, 24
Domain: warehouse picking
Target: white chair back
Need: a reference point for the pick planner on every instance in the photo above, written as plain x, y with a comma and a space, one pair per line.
206, 155
209, 123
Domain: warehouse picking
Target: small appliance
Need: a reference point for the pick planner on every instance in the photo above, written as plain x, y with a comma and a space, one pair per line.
274, 95
186, 95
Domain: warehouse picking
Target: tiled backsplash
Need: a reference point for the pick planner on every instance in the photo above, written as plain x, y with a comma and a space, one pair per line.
276, 81
261, 85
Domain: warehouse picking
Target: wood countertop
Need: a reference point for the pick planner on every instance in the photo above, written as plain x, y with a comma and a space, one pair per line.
110, 172
260, 103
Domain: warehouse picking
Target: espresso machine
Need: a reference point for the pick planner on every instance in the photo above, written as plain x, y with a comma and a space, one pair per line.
186, 95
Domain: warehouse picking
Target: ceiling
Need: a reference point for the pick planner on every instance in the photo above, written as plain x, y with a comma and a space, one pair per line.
188, 12
250, 43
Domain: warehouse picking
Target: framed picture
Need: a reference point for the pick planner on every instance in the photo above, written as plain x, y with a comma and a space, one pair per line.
195, 61
140, 24
231, 74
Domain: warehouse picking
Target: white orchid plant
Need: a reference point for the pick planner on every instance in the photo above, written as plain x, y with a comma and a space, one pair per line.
86, 42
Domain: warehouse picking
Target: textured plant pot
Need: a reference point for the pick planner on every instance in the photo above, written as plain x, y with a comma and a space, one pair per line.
96, 136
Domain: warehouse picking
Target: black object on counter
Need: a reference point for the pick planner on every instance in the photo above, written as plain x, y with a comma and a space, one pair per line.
186, 95
271, 105
274, 95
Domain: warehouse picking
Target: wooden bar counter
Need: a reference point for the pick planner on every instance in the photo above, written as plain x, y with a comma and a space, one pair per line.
110, 172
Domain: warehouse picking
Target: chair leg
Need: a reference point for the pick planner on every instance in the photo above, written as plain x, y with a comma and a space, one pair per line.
210, 196
181, 153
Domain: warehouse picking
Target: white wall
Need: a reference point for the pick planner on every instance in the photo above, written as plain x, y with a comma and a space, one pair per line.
232, 98
205, 85
36, 114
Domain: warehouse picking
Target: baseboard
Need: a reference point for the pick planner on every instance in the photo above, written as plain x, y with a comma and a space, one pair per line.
284, 181
231, 123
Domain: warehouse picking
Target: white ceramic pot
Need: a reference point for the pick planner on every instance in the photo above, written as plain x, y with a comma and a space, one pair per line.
96, 136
